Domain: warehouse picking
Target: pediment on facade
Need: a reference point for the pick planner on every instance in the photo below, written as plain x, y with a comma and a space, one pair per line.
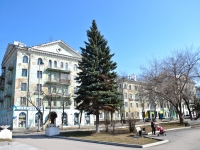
58, 47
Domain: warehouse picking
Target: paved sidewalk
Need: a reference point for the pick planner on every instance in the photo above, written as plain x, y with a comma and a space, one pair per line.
18, 146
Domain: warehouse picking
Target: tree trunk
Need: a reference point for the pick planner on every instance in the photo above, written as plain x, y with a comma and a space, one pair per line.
111, 123
97, 121
80, 120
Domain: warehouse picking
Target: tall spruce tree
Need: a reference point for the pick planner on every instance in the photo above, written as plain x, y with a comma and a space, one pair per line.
98, 88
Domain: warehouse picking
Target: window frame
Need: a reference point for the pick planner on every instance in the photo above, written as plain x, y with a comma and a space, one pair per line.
25, 59
22, 86
24, 71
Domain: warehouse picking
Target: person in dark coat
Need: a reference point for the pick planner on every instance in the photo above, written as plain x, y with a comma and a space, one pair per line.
153, 127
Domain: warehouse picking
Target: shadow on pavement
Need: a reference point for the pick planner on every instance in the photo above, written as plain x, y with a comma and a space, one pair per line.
31, 136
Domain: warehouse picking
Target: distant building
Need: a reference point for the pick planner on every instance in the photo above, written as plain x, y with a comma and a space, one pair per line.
26, 83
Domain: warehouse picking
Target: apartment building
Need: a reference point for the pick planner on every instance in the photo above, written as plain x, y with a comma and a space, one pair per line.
39, 77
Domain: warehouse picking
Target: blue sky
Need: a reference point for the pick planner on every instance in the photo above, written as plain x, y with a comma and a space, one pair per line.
136, 30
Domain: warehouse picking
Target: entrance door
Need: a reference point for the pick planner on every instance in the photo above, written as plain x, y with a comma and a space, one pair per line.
36, 119
87, 118
65, 121
22, 120
76, 118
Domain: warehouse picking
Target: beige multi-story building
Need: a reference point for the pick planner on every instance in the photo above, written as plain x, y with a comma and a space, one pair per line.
39, 77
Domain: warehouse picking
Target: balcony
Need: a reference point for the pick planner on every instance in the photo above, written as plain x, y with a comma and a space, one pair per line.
50, 81
130, 99
10, 68
2, 86
37, 92
53, 95
65, 81
10, 81
58, 70
2, 75
8, 94
67, 95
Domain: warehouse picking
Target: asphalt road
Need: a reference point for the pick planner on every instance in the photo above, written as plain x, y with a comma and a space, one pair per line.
186, 139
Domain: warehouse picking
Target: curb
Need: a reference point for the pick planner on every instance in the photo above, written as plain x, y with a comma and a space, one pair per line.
161, 141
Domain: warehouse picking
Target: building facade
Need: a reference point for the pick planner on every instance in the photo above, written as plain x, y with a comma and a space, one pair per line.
39, 77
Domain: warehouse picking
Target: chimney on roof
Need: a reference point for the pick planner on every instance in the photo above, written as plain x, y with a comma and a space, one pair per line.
20, 44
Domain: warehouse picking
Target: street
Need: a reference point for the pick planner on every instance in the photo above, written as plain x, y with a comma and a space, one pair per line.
187, 139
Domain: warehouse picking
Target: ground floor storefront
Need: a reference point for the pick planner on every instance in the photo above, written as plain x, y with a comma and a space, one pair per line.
27, 117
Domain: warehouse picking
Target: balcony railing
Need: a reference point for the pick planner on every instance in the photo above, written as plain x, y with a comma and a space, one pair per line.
58, 81
65, 81
58, 70
10, 68
37, 92
66, 95
2, 75
2, 86
10, 81
8, 94
50, 81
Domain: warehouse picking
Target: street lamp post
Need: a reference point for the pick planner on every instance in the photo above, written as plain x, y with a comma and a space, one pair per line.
39, 112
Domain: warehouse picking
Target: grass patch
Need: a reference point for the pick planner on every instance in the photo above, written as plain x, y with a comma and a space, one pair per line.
121, 135
4, 140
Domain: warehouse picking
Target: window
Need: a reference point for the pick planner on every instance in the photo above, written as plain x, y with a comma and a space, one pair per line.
66, 66
54, 103
61, 102
24, 72
136, 88
137, 105
49, 90
126, 104
131, 105
125, 95
55, 77
75, 90
23, 86
50, 64
54, 90
117, 115
75, 67
100, 115
126, 114
138, 114
38, 101
39, 61
61, 65
106, 114
66, 103
130, 96
132, 116
55, 64
49, 76
39, 74
39, 87
125, 86
23, 101
25, 59
120, 86
75, 79
75, 102
129, 87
